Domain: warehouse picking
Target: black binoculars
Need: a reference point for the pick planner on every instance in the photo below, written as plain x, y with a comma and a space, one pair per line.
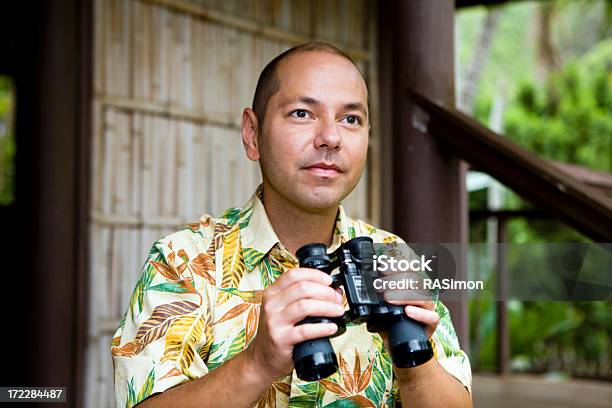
315, 359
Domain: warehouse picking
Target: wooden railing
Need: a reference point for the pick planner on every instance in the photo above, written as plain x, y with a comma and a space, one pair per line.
534, 178
573, 194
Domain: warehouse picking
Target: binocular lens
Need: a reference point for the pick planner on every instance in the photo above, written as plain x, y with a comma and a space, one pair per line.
314, 359
313, 256
361, 248
409, 344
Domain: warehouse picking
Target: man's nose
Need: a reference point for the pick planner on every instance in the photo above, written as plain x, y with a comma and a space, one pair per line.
328, 135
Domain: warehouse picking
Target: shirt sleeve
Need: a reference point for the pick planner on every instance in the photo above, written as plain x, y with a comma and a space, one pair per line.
447, 349
164, 332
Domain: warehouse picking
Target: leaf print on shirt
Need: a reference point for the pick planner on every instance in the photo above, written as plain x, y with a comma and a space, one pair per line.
204, 350
184, 286
251, 307
143, 283
269, 272
181, 338
167, 271
155, 326
351, 382
176, 282
268, 399
231, 215
233, 312
251, 257
201, 223
202, 265
233, 263
312, 397
219, 234
249, 296
144, 392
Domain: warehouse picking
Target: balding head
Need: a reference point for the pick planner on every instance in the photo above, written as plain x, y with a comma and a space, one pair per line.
269, 81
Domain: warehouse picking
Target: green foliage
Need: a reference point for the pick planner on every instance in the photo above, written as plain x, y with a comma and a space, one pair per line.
567, 118
7, 142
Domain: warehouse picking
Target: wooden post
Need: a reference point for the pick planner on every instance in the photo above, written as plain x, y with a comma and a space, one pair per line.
423, 188
503, 336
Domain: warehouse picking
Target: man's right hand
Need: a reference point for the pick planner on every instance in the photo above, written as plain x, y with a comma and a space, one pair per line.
296, 294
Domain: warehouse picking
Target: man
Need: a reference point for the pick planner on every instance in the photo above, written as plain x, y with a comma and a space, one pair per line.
217, 303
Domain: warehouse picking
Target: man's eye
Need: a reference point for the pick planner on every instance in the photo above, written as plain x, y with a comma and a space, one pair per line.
300, 114
352, 120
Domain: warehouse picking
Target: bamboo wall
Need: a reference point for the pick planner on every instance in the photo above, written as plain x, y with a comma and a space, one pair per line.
170, 81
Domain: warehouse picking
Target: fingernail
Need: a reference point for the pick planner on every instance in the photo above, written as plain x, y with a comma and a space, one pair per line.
410, 311
339, 297
340, 308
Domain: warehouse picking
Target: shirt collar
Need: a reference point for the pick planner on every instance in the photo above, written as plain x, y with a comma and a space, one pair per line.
259, 235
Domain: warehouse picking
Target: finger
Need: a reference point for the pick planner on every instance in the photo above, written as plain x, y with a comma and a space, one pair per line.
426, 304
311, 331
309, 290
427, 317
294, 275
297, 311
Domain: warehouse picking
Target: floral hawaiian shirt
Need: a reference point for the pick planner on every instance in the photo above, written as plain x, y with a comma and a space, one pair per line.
196, 305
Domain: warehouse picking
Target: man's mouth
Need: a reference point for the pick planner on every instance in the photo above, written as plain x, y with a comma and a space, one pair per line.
324, 169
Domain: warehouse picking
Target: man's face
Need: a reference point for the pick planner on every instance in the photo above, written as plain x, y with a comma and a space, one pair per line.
314, 139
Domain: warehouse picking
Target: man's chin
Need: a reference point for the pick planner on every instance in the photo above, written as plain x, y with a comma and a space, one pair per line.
319, 198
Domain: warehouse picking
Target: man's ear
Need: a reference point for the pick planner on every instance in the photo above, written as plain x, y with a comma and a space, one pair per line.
250, 131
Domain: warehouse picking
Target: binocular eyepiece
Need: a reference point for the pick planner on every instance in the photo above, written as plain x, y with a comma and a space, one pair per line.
315, 359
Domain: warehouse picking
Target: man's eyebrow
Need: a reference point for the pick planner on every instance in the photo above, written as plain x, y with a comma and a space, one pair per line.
303, 99
356, 106
314, 102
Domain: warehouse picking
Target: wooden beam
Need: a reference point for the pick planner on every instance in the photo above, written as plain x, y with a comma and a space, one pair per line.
165, 110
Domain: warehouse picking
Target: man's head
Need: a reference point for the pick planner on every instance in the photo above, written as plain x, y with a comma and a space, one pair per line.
309, 126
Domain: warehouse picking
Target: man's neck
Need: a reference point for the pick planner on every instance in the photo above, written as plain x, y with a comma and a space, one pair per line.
294, 226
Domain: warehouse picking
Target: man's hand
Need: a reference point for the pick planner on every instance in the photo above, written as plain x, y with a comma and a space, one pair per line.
296, 294
423, 311
418, 303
